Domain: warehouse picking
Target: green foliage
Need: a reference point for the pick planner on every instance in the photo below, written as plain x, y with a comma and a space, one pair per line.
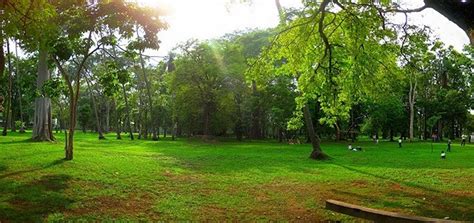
199, 83
336, 75
19, 124
110, 77
54, 88
84, 111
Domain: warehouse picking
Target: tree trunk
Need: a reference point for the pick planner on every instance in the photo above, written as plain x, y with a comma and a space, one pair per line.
238, 128
440, 129
107, 116
96, 112
175, 129
280, 134
20, 106
317, 152
2, 54
338, 131
425, 126
8, 107
256, 131
72, 126
118, 129
150, 100
206, 119
42, 126
411, 102
127, 107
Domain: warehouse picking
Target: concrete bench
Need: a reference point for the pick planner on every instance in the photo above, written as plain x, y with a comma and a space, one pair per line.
376, 215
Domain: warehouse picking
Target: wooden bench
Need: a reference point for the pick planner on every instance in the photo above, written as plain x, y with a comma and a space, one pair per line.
376, 215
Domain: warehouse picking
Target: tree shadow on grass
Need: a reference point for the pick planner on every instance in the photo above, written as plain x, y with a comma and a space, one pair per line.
54, 163
18, 141
35, 200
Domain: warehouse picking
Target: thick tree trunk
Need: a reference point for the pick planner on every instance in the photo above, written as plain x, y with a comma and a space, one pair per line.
440, 129
72, 125
42, 126
317, 152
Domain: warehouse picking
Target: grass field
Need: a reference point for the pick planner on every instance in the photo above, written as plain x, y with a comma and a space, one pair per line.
227, 180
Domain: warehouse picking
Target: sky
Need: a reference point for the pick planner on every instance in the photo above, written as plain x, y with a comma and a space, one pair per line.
206, 19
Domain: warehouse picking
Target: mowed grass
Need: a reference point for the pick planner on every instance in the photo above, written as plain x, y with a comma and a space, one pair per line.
227, 180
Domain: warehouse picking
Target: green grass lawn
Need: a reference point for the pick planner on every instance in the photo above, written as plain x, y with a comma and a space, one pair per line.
257, 180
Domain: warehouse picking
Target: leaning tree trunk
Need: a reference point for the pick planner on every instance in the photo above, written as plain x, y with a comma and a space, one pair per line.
42, 127
96, 112
154, 126
317, 152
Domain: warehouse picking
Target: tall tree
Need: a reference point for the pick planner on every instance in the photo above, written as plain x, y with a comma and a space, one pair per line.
80, 23
332, 54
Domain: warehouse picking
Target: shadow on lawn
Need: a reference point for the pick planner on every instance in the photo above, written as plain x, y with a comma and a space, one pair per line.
54, 163
431, 203
17, 141
35, 200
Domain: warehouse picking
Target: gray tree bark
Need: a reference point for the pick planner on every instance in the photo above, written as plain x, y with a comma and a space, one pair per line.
127, 107
411, 102
42, 125
317, 152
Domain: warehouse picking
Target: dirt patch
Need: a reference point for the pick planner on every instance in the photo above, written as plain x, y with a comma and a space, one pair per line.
133, 205
458, 193
183, 178
290, 201
359, 183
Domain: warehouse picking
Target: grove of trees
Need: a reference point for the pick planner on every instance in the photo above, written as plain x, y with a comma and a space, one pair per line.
330, 70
